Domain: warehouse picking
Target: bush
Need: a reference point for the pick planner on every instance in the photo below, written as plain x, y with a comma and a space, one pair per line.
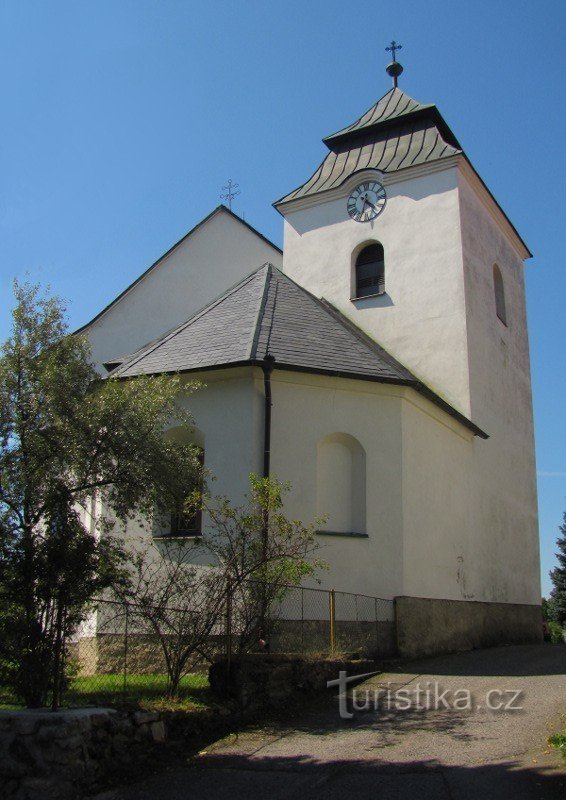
556, 632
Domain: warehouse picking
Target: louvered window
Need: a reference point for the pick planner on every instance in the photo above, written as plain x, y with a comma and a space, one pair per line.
370, 271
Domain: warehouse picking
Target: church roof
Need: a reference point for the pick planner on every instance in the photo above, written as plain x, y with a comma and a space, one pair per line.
395, 133
269, 314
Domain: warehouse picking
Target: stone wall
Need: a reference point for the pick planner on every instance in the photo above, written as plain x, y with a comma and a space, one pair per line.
426, 626
272, 681
363, 639
46, 755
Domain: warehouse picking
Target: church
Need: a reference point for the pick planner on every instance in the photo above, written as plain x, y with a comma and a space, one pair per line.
379, 363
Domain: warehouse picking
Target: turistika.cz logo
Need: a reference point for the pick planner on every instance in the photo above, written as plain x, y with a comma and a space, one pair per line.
427, 696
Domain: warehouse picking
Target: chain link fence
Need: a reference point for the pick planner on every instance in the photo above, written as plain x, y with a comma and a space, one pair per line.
319, 622
121, 652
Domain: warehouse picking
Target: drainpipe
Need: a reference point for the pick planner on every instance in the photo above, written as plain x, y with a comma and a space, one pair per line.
267, 367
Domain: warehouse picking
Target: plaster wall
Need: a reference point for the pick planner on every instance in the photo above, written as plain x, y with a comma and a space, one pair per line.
439, 517
214, 257
421, 318
228, 416
504, 475
308, 408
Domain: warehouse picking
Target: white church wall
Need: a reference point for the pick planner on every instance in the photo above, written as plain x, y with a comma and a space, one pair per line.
421, 317
440, 529
312, 408
504, 472
227, 412
214, 257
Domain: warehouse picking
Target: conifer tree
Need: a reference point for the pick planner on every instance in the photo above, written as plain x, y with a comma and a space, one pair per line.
558, 577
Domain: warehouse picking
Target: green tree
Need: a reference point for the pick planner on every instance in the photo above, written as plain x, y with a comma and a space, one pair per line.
240, 567
557, 601
66, 437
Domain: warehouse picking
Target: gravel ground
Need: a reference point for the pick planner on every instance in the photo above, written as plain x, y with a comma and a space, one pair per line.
391, 751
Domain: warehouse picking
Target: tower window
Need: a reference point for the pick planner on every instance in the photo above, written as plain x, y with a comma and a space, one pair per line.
370, 271
499, 291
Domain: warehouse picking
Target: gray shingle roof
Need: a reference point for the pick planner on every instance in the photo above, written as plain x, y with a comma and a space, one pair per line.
268, 313
396, 133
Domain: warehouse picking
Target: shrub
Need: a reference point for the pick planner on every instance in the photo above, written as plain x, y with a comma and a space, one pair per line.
556, 632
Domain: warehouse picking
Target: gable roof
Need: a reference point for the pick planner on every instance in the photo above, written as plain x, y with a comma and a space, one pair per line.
269, 314
218, 210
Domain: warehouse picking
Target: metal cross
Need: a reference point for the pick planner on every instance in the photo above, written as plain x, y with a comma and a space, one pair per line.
230, 193
393, 47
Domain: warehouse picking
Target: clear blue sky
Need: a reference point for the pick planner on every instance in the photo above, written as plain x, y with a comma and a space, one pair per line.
122, 119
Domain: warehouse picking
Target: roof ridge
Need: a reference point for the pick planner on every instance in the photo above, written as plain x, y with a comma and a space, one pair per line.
260, 312
147, 349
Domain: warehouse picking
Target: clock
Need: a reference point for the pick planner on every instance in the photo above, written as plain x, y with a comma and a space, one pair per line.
366, 201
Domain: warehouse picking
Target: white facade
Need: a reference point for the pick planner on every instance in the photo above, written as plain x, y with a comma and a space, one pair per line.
415, 503
442, 233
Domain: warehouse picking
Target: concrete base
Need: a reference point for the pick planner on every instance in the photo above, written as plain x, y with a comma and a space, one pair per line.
428, 626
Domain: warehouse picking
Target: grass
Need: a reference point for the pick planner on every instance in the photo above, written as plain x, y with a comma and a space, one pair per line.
146, 692
559, 741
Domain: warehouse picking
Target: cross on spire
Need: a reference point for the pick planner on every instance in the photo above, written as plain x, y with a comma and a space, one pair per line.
394, 69
393, 47
231, 190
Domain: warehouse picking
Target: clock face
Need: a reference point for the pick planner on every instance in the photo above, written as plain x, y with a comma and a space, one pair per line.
367, 201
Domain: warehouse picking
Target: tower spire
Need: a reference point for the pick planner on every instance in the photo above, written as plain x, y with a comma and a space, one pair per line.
394, 69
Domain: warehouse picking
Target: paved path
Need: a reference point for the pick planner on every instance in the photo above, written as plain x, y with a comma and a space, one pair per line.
445, 754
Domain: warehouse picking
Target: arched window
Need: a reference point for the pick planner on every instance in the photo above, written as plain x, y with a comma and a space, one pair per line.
370, 271
499, 291
341, 484
174, 520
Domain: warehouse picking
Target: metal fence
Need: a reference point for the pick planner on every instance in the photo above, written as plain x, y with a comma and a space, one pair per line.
121, 650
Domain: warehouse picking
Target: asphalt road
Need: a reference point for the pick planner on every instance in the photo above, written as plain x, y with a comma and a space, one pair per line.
407, 746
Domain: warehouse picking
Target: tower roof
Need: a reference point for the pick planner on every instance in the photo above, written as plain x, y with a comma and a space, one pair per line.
392, 106
269, 314
395, 133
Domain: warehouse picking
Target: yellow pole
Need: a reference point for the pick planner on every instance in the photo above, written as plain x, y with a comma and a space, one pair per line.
332, 608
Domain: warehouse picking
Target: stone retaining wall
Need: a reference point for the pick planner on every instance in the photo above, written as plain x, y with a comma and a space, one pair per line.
272, 681
46, 755
428, 626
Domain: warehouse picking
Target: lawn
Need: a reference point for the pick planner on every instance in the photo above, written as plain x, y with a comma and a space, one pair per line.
135, 691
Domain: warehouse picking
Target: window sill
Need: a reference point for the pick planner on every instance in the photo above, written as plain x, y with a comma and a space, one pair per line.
161, 537
348, 534
367, 296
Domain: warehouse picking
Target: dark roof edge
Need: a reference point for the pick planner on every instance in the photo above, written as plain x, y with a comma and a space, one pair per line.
413, 381
194, 229
490, 193
431, 111
255, 362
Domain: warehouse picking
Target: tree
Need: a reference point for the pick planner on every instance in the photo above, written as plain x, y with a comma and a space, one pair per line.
557, 601
182, 596
66, 437
263, 553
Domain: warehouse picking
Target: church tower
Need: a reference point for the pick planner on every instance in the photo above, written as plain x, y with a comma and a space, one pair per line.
398, 231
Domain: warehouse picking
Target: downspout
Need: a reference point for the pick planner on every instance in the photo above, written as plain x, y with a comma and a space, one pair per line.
267, 368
